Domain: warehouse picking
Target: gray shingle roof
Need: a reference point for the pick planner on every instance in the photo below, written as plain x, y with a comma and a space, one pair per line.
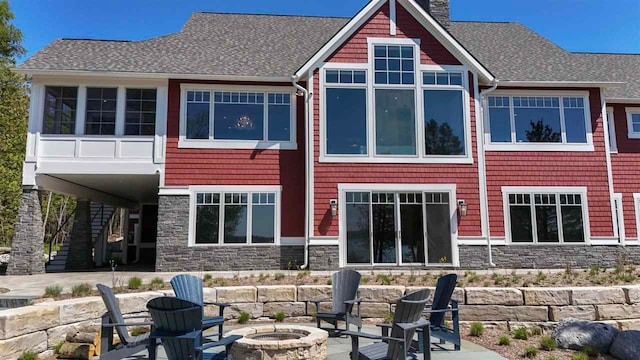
277, 45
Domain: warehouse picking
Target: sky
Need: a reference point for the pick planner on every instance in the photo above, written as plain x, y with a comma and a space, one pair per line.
576, 25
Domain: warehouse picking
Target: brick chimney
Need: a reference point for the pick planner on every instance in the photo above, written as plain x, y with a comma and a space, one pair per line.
438, 9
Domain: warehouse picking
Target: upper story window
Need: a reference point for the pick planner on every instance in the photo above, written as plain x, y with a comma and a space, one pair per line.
611, 123
60, 110
633, 122
393, 109
237, 119
140, 115
545, 119
101, 111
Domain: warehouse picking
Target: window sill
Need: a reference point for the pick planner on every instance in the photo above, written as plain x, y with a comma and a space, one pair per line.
396, 160
633, 135
538, 147
232, 144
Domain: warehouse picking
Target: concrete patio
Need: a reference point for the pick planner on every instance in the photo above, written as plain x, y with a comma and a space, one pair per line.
338, 348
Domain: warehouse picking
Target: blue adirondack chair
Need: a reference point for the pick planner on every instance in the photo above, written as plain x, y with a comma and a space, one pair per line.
178, 324
406, 320
344, 287
442, 304
189, 287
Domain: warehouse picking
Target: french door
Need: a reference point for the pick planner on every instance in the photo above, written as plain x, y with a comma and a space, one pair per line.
398, 228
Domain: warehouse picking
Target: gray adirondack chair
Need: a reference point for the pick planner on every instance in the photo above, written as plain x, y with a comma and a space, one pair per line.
442, 304
344, 287
190, 287
113, 318
406, 320
178, 324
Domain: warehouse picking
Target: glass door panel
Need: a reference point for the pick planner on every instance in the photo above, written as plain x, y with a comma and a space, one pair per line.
358, 225
412, 228
438, 228
384, 229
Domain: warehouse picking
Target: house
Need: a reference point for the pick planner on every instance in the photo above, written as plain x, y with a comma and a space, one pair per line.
395, 138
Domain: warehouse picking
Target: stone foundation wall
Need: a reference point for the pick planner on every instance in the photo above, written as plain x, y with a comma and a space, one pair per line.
27, 255
324, 257
547, 257
174, 254
40, 327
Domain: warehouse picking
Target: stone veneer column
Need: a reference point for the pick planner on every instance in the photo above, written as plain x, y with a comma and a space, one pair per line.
27, 254
324, 257
80, 245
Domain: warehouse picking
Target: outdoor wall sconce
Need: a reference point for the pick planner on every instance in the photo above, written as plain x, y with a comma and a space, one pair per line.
462, 208
333, 204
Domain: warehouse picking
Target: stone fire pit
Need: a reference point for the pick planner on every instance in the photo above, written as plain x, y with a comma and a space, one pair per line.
267, 342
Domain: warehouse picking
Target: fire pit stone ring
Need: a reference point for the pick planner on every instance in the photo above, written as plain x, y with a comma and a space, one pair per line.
265, 342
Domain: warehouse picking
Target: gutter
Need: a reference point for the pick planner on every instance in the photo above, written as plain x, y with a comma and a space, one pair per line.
294, 81
482, 164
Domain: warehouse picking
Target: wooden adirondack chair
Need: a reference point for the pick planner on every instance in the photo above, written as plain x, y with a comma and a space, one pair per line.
178, 324
344, 286
406, 320
189, 287
442, 304
113, 318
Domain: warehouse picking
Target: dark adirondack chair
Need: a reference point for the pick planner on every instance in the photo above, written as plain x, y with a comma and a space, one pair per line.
344, 287
189, 287
443, 304
113, 318
406, 320
178, 324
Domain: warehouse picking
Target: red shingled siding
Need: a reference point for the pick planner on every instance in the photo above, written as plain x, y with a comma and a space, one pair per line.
239, 167
555, 169
626, 167
354, 50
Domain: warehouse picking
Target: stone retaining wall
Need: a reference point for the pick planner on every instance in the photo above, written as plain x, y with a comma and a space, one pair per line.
40, 327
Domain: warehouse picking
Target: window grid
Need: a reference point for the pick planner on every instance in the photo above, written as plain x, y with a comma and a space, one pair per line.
635, 122
345, 76
411, 198
198, 96
279, 99
394, 64
382, 198
358, 198
140, 113
442, 78
231, 97
101, 111
59, 115
437, 198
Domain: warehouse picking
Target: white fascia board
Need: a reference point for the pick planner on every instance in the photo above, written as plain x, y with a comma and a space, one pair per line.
622, 100
525, 83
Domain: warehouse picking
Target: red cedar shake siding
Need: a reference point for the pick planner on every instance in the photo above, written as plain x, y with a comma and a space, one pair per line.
548, 168
242, 166
626, 167
327, 176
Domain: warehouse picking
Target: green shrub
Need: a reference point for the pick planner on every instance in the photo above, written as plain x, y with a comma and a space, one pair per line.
28, 355
278, 276
530, 352
303, 273
364, 280
591, 351
551, 358
579, 356
476, 329
521, 334
536, 331
208, 277
280, 316
486, 284
383, 279
58, 346
388, 318
80, 290
244, 317
541, 276
138, 330
134, 283
504, 341
548, 343
156, 283
329, 281
53, 291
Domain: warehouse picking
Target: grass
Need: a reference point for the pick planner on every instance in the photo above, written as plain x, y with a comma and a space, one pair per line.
134, 283
53, 291
207, 277
138, 330
364, 280
536, 331
278, 276
329, 282
383, 279
28, 355
548, 343
579, 356
521, 334
591, 351
243, 318
550, 358
81, 290
388, 318
504, 341
280, 316
156, 283
476, 329
530, 352
58, 346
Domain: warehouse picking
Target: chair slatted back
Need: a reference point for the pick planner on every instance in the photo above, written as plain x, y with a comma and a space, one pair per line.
442, 297
188, 287
115, 314
344, 286
176, 316
408, 310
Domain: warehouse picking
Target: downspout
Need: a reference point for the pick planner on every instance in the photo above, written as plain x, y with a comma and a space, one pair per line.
482, 164
294, 81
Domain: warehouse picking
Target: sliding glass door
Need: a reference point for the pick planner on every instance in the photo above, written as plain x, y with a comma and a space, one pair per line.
398, 228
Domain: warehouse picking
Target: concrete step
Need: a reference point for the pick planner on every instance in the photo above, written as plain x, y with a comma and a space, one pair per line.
55, 268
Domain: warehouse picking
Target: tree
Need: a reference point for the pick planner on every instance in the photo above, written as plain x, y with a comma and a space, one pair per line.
440, 139
14, 104
541, 132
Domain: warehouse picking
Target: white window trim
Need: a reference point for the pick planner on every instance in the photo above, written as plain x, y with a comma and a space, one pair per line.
193, 190
636, 207
514, 146
342, 203
212, 143
418, 87
613, 143
581, 190
630, 112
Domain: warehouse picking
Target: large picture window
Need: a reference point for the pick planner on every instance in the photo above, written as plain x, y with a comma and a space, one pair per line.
235, 218
101, 111
546, 217
60, 104
346, 112
538, 119
140, 115
444, 125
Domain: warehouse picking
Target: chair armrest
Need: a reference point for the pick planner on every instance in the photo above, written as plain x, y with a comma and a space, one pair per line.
385, 325
415, 325
354, 301
222, 305
440, 311
156, 334
369, 336
127, 324
316, 301
222, 342
136, 316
